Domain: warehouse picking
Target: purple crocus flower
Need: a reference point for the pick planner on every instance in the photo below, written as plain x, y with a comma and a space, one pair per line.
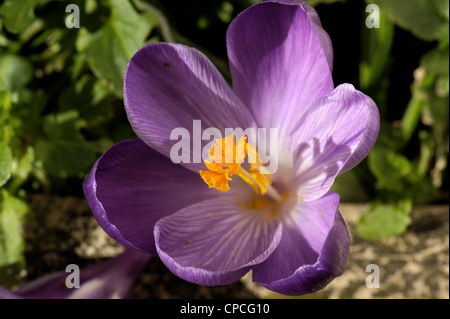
286, 226
110, 279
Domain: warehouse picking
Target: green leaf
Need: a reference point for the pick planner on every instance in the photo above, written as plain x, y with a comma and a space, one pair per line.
18, 15
15, 72
5, 136
376, 61
5, 163
12, 244
109, 49
436, 61
26, 114
349, 188
87, 95
442, 6
428, 87
389, 168
65, 158
384, 220
64, 152
22, 168
390, 136
411, 116
427, 19
5, 108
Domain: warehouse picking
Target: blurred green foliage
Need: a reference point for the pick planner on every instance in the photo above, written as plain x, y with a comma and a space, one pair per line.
410, 158
61, 101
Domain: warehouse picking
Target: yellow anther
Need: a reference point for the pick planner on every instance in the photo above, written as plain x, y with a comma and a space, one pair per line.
216, 177
225, 159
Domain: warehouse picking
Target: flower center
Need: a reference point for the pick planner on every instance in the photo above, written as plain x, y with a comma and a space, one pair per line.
225, 160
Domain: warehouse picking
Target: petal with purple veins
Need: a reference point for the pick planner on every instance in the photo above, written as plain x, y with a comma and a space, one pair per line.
335, 133
315, 219
168, 86
324, 38
113, 278
277, 62
215, 242
295, 267
132, 186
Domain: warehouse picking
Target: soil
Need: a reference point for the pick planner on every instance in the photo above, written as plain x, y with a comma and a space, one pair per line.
63, 231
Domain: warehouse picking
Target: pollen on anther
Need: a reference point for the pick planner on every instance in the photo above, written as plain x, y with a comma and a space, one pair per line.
188, 241
320, 212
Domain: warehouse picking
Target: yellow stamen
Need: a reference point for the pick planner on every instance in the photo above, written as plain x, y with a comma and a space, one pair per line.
216, 177
224, 161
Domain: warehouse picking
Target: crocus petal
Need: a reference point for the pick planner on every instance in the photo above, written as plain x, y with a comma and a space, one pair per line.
215, 242
324, 38
7, 294
168, 86
132, 186
295, 267
368, 139
111, 279
304, 234
277, 63
315, 219
335, 133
